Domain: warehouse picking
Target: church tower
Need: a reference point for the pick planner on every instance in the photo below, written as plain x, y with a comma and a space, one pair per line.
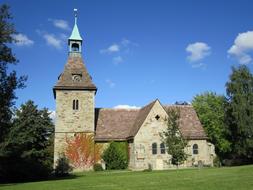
74, 93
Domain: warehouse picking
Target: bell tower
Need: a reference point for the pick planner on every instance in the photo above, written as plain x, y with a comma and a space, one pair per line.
74, 93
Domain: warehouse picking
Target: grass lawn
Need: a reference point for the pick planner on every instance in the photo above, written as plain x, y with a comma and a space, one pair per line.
197, 179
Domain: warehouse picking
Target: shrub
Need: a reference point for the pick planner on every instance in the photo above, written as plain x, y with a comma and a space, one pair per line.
97, 167
63, 167
116, 156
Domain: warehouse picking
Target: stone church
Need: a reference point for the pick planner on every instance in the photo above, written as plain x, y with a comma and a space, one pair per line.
75, 94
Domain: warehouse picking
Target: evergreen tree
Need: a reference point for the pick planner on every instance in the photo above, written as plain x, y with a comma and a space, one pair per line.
173, 139
210, 109
9, 81
239, 112
27, 151
116, 156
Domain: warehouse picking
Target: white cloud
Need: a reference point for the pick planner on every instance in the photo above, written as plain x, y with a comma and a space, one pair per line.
110, 83
59, 23
22, 40
198, 51
242, 47
53, 41
126, 107
125, 42
117, 60
111, 49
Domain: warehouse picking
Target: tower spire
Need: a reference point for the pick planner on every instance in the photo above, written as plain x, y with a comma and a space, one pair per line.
75, 40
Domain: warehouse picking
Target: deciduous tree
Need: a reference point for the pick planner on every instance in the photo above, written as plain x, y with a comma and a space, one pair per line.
210, 109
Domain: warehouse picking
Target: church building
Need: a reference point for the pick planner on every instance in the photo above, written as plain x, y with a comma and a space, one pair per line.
75, 94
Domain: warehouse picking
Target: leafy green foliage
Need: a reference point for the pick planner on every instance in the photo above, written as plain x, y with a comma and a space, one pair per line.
116, 156
239, 113
210, 109
172, 138
63, 168
28, 153
9, 81
97, 167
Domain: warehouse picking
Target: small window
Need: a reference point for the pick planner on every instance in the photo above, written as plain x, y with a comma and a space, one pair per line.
162, 148
75, 104
75, 47
195, 149
157, 117
154, 148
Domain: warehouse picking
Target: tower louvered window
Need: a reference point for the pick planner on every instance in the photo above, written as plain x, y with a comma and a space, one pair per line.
75, 104
195, 149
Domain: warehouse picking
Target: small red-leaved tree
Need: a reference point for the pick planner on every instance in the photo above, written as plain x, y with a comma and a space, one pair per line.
82, 151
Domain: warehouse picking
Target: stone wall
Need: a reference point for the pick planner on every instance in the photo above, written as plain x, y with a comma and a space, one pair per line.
141, 156
69, 121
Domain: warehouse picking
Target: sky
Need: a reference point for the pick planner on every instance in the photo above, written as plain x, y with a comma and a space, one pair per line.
135, 51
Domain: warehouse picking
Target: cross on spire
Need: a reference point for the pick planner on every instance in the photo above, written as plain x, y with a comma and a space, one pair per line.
75, 12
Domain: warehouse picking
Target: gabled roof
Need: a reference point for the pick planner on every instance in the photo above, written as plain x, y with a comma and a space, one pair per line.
75, 66
189, 124
122, 124
142, 115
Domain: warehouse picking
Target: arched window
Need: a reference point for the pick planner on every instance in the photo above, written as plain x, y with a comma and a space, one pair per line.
75, 104
195, 149
162, 148
75, 47
154, 148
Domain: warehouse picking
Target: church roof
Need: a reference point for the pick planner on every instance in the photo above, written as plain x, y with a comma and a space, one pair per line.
114, 124
123, 124
189, 124
75, 76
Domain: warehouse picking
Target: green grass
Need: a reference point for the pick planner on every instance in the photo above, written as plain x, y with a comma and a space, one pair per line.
197, 179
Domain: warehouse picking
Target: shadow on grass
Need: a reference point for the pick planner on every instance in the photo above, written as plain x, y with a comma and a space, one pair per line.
51, 178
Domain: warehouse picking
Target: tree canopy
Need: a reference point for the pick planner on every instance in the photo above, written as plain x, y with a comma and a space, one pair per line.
9, 81
27, 152
210, 109
239, 112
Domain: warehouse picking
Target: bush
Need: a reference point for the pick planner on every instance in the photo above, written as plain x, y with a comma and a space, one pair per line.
116, 156
63, 167
97, 167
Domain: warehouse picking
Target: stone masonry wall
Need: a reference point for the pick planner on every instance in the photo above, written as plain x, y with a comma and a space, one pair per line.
141, 156
69, 121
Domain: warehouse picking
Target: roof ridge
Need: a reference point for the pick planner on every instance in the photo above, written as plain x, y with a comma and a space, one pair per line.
141, 118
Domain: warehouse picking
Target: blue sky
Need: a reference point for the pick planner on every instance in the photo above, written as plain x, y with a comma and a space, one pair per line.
136, 51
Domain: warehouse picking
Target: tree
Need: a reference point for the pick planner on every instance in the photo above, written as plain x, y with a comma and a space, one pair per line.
9, 81
82, 151
27, 153
210, 109
116, 156
173, 139
239, 112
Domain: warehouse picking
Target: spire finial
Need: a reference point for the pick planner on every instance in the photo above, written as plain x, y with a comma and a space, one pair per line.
75, 12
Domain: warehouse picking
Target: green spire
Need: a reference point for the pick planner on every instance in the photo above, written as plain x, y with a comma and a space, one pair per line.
75, 35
